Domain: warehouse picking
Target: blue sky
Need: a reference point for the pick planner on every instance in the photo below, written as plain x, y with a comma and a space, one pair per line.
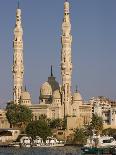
93, 48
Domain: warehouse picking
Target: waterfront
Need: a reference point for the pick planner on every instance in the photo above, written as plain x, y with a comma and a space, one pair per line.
68, 150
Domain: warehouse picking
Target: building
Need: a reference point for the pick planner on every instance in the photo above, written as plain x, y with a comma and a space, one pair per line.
105, 108
55, 100
18, 67
8, 135
3, 120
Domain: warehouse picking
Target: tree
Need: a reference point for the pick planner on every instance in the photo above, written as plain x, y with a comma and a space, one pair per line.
38, 128
109, 132
80, 136
43, 117
18, 115
89, 130
58, 123
96, 124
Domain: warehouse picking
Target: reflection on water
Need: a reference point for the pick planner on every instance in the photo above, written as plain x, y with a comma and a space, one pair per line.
41, 151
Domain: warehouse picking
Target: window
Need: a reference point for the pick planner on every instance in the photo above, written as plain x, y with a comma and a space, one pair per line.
36, 118
60, 133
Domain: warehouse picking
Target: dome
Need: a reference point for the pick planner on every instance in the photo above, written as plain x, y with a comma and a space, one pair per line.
46, 89
56, 94
25, 95
77, 96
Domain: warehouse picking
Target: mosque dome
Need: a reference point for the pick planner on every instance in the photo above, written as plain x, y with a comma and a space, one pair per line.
56, 94
25, 98
77, 96
46, 89
25, 95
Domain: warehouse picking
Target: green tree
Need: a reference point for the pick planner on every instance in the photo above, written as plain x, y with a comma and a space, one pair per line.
56, 123
96, 124
80, 136
109, 132
18, 115
43, 117
89, 130
64, 123
38, 128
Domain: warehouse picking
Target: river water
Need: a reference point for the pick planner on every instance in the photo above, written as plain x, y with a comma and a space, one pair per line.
67, 150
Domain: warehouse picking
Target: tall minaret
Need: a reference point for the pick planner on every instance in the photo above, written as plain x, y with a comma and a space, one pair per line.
66, 62
18, 67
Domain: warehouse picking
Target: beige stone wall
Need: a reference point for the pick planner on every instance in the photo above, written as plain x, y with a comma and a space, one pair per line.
85, 114
109, 126
3, 120
73, 123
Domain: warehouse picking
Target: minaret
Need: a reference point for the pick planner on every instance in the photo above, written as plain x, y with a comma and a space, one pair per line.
18, 67
66, 62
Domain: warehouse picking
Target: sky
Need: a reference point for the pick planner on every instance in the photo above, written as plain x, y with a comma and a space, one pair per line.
93, 47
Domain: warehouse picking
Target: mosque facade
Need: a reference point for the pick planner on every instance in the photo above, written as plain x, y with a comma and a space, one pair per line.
55, 100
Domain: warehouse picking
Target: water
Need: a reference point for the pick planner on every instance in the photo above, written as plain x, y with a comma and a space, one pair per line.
68, 150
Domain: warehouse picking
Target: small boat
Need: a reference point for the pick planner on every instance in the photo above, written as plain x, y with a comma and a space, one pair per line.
50, 142
53, 142
101, 141
100, 145
37, 142
25, 141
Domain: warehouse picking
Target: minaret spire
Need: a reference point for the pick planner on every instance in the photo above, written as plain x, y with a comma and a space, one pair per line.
51, 71
66, 60
18, 67
25, 88
76, 90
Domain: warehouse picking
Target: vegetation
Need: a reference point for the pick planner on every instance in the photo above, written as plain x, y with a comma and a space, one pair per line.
109, 132
96, 124
18, 115
58, 124
43, 117
38, 128
80, 136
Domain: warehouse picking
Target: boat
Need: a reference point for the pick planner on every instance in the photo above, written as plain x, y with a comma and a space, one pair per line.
100, 145
101, 141
25, 141
37, 142
53, 142
50, 142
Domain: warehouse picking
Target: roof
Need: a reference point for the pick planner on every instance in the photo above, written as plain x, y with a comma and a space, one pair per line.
25, 95
77, 96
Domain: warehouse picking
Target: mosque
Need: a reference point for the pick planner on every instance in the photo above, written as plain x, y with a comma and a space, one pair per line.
55, 100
